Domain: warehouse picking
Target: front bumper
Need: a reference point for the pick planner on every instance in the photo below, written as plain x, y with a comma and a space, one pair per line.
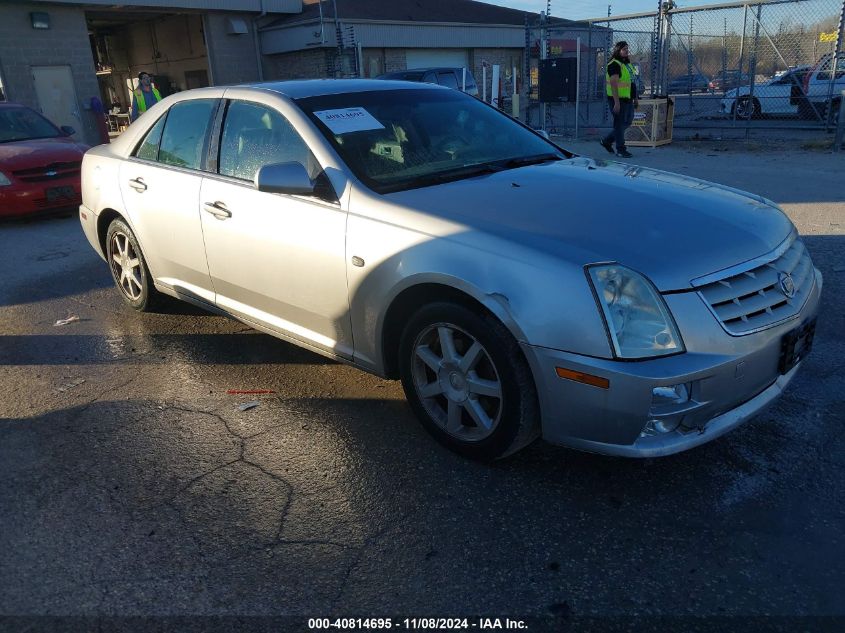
24, 199
729, 381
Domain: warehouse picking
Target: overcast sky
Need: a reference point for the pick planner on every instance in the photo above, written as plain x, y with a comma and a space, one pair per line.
579, 9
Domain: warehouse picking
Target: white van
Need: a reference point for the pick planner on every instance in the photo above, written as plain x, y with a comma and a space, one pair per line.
817, 86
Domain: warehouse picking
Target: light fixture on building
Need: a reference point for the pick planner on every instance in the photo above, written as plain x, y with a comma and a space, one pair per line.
236, 26
40, 20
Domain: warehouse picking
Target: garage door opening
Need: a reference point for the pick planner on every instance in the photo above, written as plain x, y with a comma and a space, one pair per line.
169, 46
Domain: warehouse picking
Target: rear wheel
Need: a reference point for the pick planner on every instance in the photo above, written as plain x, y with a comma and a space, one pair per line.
128, 268
468, 382
747, 108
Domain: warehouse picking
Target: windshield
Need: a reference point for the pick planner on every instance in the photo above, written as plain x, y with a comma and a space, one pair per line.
22, 124
403, 139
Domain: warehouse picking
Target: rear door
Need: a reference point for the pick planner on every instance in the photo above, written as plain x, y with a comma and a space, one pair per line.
160, 185
276, 260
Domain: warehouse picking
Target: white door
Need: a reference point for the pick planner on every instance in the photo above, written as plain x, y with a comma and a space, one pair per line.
431, 57
56, 94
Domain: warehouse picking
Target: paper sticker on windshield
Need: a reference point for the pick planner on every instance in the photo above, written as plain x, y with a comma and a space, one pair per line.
348, 120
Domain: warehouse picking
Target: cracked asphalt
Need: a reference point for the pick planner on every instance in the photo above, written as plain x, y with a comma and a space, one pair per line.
131, 484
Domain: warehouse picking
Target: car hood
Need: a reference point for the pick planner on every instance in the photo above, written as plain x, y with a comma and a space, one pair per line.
670, 227
17, 155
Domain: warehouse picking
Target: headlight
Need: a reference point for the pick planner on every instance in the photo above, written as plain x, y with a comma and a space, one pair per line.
4, 180
638, 322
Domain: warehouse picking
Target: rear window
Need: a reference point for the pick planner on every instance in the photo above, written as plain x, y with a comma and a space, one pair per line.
447, 79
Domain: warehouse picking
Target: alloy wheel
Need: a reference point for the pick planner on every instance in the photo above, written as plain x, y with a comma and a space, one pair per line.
125, 266
457, 382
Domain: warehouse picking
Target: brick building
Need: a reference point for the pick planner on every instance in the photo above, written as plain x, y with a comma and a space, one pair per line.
57, 55
374, 37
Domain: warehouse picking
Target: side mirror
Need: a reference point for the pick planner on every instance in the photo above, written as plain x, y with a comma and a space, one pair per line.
290, 178
68, 130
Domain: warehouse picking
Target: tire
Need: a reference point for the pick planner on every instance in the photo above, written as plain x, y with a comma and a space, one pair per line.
831, 110
468, 382
129, 268
746, 108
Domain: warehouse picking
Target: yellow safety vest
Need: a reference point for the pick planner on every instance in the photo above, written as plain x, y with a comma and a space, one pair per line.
142, 102
623, 83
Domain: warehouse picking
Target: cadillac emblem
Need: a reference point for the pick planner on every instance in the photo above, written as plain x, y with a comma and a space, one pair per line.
787, 285
51, 173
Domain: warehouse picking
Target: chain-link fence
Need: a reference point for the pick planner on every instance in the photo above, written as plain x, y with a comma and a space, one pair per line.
772, 63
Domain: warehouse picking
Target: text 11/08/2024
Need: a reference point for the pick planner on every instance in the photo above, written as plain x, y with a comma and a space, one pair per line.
431, 624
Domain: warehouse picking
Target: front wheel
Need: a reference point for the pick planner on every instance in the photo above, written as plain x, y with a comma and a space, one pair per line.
468, 381
128, 268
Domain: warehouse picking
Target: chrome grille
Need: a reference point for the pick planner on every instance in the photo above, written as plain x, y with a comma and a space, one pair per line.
56, 171
754, 300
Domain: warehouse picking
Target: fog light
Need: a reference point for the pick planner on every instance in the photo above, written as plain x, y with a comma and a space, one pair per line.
675, 394
665, 425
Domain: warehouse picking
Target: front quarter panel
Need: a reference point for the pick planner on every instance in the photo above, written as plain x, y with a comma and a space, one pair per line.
541, 300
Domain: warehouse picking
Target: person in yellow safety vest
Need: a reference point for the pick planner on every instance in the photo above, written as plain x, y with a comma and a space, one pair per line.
144, 96
621, 87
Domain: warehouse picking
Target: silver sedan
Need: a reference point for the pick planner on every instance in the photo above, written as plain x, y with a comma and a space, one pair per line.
516, 289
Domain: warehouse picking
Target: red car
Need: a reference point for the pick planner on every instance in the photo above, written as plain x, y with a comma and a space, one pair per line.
39, 164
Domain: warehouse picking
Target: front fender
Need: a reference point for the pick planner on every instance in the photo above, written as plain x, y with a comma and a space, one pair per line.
542, 301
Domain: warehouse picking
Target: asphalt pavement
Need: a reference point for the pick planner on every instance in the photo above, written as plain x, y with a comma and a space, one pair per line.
133, 485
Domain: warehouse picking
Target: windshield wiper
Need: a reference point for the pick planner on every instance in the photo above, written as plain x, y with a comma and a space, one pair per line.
523, 161
467, 171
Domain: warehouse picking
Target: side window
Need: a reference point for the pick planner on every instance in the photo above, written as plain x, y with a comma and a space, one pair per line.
148, 149
447, 79
429, 78
255, 135
185, 132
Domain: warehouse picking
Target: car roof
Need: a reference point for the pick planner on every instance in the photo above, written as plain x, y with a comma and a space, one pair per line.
302, 89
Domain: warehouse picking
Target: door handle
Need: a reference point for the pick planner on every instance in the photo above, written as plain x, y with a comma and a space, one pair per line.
217, 209
138, 185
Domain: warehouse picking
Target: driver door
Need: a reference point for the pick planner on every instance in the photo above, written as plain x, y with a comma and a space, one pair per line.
276, 260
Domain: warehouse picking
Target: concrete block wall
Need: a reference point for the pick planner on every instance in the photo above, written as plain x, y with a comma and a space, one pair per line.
395, 59
299, 65
232, 58
65, 43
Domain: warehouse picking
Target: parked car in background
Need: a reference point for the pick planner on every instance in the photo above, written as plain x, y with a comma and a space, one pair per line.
686, 84
415, 232
773, 96
457, 78
823, 89
728, 80
39, 164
